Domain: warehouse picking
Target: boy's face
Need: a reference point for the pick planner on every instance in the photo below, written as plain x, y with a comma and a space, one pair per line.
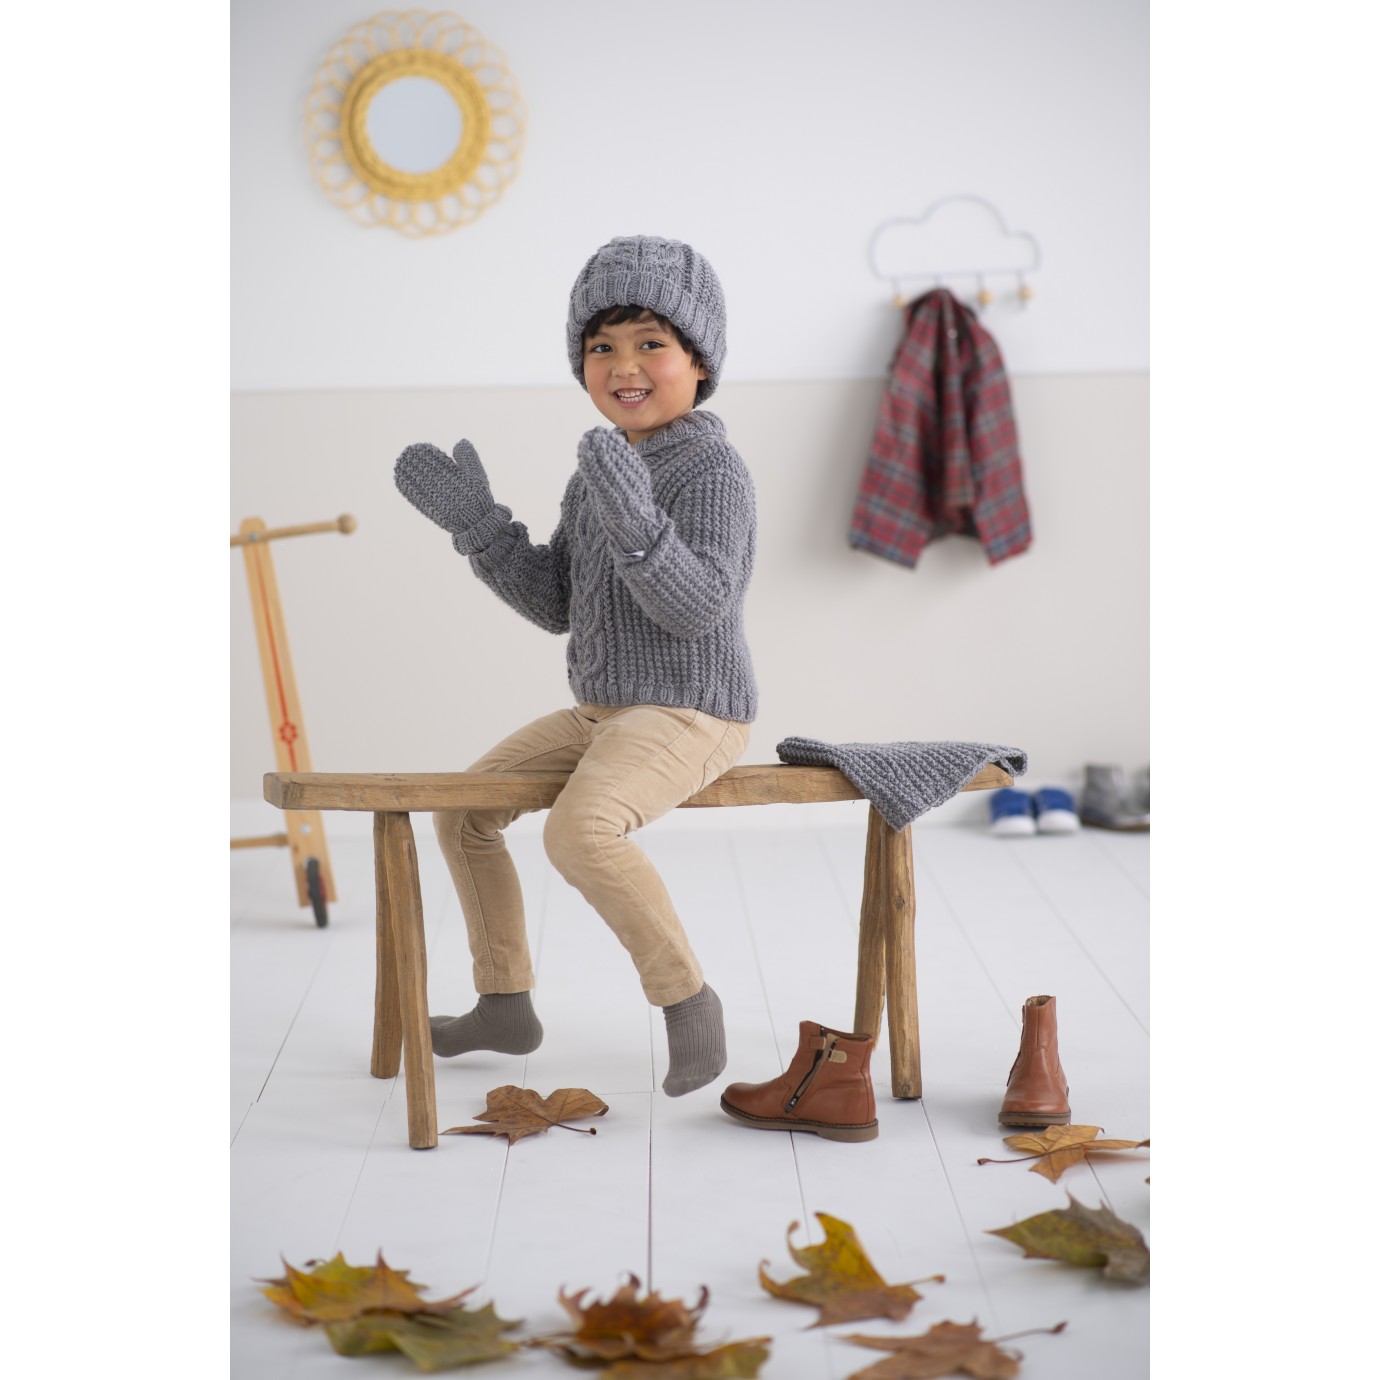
640, 376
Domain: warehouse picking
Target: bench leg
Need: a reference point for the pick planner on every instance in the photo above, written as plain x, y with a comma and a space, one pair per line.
867, 1010
386, 1058
886, 951
409, 951
902, 1005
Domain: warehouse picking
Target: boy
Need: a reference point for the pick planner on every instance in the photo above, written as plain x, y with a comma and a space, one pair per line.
646, 570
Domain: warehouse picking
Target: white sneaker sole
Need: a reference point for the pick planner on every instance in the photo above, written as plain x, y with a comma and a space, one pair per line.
1012, 826
1058, 822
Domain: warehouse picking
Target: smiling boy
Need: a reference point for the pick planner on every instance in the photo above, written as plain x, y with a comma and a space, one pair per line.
647, 571
640, 370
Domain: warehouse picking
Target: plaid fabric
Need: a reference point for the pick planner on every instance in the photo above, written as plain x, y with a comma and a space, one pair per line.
944, 456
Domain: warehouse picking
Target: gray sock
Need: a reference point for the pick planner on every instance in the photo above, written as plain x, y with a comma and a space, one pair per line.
502, 1021
695, 1033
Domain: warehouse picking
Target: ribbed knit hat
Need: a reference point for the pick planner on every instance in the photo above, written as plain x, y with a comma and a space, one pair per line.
666, 277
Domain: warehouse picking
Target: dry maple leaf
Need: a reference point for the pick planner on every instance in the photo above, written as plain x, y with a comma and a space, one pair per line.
948, 1348
649, 1328
649, 1336
1060, 1147
433, 1341
733, 1361
336, 1291
517, 1112
1083, 1236
842, 1282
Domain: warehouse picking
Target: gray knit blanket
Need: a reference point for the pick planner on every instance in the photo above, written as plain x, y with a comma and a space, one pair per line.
903, 780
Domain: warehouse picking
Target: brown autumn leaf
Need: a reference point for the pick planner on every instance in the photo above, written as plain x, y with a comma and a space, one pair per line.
517, 1112
948, 1348
336, 1291
732, 1361
433, 1341
842, 1282
1083, 1236
648, 1328
648, 1337
1060, 1147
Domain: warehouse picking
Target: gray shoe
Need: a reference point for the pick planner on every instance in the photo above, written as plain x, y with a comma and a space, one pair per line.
1108, 803
1138, 796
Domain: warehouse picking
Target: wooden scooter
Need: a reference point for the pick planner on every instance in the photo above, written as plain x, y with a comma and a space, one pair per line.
306, 835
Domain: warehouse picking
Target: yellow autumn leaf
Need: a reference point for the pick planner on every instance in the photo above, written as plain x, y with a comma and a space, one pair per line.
335, 1291
841, 1281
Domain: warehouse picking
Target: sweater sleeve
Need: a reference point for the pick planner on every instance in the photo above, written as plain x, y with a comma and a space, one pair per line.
699, 557
533, 579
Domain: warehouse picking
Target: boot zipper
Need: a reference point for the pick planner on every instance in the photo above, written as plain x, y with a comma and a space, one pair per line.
821, 1058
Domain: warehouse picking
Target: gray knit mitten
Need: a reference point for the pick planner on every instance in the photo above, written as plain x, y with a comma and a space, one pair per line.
621, 488
454, 494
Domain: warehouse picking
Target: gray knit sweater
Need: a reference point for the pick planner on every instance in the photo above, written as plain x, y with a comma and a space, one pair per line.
664, 626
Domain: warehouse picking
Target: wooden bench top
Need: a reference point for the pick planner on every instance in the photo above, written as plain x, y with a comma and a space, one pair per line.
773, 783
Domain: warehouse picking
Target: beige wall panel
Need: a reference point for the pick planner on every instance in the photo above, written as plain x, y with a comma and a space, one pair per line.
405, 662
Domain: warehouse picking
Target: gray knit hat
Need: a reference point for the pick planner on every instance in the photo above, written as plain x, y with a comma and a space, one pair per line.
666, 277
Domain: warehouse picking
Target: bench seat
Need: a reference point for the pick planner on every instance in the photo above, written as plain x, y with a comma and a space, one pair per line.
768, 784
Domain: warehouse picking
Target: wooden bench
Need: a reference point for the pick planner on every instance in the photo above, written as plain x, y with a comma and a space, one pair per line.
886, 941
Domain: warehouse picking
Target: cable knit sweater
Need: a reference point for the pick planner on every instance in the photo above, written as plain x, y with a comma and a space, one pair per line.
650, 590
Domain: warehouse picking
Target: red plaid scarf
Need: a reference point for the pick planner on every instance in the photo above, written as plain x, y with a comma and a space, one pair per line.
944, 455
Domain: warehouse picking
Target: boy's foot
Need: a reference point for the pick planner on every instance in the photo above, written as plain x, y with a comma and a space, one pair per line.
501, 1021
695, 1033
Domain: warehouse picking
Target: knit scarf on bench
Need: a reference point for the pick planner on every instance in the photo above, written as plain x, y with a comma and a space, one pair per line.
903, 780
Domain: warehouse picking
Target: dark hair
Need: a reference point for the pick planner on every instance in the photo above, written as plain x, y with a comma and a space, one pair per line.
618, 316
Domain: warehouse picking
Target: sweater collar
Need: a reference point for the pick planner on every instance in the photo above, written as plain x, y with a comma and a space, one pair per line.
693, 425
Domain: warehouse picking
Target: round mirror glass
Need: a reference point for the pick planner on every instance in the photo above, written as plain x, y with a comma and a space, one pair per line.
414, 124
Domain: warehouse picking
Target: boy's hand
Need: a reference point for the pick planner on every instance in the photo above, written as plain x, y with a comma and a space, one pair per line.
454, 494
621, 486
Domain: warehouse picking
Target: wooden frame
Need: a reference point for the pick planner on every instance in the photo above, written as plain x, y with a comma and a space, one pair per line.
305, 834
886, 978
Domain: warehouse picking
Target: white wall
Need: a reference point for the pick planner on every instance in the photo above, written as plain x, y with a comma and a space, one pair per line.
775, 137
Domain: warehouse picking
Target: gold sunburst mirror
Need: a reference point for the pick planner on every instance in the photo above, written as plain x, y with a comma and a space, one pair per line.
415, 122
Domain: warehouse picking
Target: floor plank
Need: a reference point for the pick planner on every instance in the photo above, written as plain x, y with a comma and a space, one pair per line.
1129, 851
271, 972
672, 1188
1083, 886
573, 1212
1025, 949
722, 1194
969, 1034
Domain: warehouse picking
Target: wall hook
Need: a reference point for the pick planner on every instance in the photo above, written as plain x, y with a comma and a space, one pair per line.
985, 296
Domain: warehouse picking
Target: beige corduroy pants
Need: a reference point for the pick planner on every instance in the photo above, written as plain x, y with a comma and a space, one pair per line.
629, 765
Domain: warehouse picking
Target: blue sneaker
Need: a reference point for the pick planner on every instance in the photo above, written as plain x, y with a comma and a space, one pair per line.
1055, 812
1012, 813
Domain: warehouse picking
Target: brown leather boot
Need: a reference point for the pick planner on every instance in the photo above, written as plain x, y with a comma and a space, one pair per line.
1037, 1093
827, 1089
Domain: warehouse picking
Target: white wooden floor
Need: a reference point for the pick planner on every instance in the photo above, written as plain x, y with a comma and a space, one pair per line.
671, 1189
